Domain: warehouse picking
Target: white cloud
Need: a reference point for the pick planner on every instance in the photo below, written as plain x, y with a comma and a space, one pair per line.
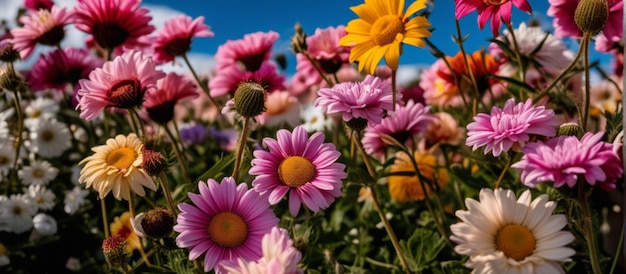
202, 63
160, 14
409, 73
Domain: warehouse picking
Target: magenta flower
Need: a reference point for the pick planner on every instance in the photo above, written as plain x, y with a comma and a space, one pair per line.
228, 78
251, 51
175, 37
368, 99
36, 5
565, 160
225, 221
113, 23
565, 26
160, 102
509, 125
44, 27
279, 256
496, 10
58, 68
120, 83
407, 121
305, 167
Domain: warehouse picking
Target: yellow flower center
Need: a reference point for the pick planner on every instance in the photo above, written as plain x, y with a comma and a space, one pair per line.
121, 158
385, 29
516, 241
296, 171
4, 160
38, 173
495, 2
228, 230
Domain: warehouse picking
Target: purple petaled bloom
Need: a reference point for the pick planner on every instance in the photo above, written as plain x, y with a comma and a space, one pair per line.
402, 125
563, 159
193, 134
305, 167
513, 123
227, 138
368, 99
225, 221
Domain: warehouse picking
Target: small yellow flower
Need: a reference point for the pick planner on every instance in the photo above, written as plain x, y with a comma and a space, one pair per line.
117, 167
121, 226
404, 188
381, 29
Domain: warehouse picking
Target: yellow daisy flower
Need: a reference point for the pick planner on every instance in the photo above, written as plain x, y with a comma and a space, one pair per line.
380, 31
116, 166
121, 226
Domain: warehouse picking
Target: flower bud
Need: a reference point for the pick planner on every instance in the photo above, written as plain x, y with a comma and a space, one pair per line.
114, 249
250, 99
591, 15
569, 129
8, 53
298, 41
153, 161
157, 223
9, 79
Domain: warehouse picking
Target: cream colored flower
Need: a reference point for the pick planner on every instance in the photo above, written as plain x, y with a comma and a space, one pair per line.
116, 167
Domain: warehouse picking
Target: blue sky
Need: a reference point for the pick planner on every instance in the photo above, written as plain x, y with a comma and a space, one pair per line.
233, 18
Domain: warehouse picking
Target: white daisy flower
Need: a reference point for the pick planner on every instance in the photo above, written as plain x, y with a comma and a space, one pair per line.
45, 225
50, 138
553, 55
40, 108
503, 235
42, 197
7, 156
38, 173
74, 199
315, 119
16, 213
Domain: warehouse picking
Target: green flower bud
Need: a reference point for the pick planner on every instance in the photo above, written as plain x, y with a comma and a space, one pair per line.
591, 15
250, 99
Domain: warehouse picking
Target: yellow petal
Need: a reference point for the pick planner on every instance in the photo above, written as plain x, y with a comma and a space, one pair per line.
365, 12
359, 26
374, 58
360, 49
417, 33
417, 22
415, 7
392, 57
414, 41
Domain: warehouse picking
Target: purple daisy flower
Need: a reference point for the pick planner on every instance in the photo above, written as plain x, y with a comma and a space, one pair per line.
406, 122
226, 221
509, 125
305, 167
368, 99
563, 159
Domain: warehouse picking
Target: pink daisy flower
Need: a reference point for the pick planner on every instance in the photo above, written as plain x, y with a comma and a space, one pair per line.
45, 27
565, 160
565, 26
228, 78
305, 167
175, 37
58, 68
36, 5
279, 256
496, 10
113, 23
437, 90
251, 51
510, 125
120, 83
406, 122
160, 101
368, 99
225, 221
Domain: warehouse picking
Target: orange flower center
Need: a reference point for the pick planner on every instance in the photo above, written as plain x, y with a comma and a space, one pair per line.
495, 2
228, 230
296, 171
121, 158
126, 94
385, 29
515, 241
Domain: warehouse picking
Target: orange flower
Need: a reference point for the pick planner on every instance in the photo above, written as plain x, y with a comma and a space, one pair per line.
404, 188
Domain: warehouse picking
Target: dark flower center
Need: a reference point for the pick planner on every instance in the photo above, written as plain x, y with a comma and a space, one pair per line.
252, 62
109, 35
178, 46
126, 94
53, 37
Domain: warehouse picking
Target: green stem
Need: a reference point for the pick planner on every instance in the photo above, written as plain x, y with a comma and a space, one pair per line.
138, 122
240, 147
178, 152
20, 128
509, 161
469, 71
560, 76
588, 228
587, 90
518, 56
376, 203
168, 194
618, 250
204, 87
317, 68
105, 219
131, 209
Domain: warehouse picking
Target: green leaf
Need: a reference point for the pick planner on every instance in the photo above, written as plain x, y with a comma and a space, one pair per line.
217, 170
424, 247
359, 175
